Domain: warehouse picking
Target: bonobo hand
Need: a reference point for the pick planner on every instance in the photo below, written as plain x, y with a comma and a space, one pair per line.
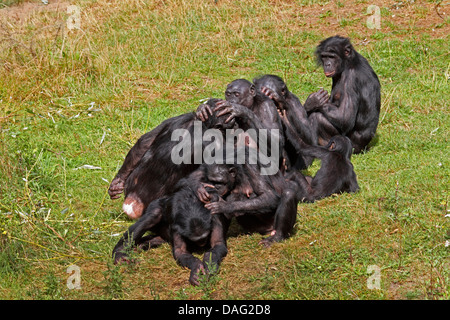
116, 187
280, 101
267, 242
202, 194
316, 100
202, 112
271, 94
220, 206
194, 276
235, 110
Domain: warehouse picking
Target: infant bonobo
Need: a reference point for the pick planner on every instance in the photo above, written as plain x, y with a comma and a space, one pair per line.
182, 220
336, 172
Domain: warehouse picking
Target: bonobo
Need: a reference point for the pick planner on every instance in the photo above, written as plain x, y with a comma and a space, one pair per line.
251, 110
336, 173
182, 220
289, 106
353, 108
261, 203
292, 114
148, 172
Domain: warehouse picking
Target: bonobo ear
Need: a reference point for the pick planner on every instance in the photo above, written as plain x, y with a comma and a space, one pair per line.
332, 145
252, 90
348, 51
232, 171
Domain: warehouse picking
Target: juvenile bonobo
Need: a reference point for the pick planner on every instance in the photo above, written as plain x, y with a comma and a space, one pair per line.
148, 172
353, 108
261, 203
336, 173
292, 114
182, 220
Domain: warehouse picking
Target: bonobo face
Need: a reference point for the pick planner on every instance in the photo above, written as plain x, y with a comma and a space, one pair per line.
331, 64
200, 236
241, 92
222, 177
333, 54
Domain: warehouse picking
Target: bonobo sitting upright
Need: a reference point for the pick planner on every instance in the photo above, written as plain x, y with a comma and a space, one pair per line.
353, 108
148, 172
335, 175
292, 114
182, 220
251, 110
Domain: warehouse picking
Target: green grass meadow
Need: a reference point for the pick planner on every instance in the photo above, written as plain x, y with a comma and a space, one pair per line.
74, 101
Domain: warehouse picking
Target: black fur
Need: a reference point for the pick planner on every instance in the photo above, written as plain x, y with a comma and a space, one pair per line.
182, 220
148, 172
336, 173
353, 109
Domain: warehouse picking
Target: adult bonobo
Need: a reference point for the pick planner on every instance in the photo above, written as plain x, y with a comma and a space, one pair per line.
292, 114
148, 172
251, 109
353, 108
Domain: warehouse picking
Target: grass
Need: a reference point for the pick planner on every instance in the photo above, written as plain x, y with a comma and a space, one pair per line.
71, 98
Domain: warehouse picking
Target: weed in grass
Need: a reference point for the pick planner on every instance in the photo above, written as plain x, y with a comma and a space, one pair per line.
113, 282
208, 281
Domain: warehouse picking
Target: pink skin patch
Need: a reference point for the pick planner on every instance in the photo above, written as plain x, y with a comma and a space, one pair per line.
133, 208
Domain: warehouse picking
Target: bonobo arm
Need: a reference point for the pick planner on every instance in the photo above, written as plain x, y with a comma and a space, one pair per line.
185, 258
301, 147
342, 108
218, 251
265, 201
298, 119
293, 113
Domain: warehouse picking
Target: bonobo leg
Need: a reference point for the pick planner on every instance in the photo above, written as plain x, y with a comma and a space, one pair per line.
323, 129
360, 140
133, 236
132, 159
149, 242
303, 186
285, 216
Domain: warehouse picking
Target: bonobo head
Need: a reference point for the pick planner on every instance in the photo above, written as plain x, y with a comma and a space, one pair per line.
335, 54
241, 91
214, 122
194, 226
274, 83
222, 177
341, 145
